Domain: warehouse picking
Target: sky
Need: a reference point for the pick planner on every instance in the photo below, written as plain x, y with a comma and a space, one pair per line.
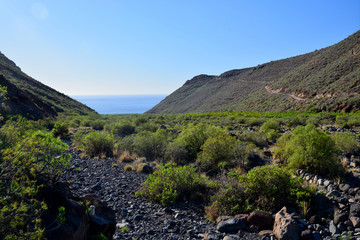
118, 47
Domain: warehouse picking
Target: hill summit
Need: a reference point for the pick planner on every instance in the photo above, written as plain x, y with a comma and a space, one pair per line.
326, 79
32, 99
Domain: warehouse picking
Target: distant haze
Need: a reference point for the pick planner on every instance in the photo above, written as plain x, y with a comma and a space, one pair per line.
116, 47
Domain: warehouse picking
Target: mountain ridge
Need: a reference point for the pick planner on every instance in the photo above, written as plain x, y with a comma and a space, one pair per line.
326, 79
31, 98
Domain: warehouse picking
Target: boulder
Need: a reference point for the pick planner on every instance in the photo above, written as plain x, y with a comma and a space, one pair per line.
285, 227
344, 187
261, 220
340, 217
332, 228
355, 210
320, 204
355, 222
232, 225
102, 219
147, 169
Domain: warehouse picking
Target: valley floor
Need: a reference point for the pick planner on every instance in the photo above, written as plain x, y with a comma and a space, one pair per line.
106, 179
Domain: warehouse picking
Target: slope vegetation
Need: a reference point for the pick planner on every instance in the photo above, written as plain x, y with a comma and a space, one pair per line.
326, 79
32, 99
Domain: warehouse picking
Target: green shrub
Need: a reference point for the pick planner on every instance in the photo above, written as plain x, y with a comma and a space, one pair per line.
217, 152
194, 136
310, 149
29, 155
296, 121
123, 130
98, 124
170, 184
271, 129
60, 130
98, 144
346, 142
354, 121
256, 138
151, 145
266, 188
176, 153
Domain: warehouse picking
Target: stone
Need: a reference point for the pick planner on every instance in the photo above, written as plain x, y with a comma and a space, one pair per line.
220, 219
261, 220
103, 221
320, 205
327, 182
355, 221
306, 235
320, 182
147, 169
355, 210
242, 216
285, 227
332, 228
340, 217
231, 225
265, 232
344, 187
316, 236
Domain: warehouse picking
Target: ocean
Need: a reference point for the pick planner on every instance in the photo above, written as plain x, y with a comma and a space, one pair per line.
121, 104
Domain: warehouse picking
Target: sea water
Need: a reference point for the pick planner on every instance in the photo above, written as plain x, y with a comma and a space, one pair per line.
121, 104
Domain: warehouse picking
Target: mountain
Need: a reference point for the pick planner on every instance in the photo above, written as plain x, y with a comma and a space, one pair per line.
32, 99
326, 79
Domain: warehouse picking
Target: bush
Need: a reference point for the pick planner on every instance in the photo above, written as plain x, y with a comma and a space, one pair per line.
346, 142
97, 124
60, 130
217, 152
194, 136
266, 188
310, 149
176, 153
123, 130
98, 144
151, 145
170, 184
271, 129
256, 138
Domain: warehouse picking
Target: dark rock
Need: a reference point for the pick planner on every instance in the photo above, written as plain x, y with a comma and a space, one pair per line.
344, 187
315, 219
340, 217
147, 169
102, 219
285, 227
355, 210
306, 235
231, 225
320, 205
261, 220
316, 236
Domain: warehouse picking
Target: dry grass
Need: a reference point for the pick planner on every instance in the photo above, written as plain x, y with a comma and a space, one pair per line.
126, 157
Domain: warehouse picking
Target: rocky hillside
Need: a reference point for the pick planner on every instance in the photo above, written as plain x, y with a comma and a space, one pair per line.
32, 99
326, 79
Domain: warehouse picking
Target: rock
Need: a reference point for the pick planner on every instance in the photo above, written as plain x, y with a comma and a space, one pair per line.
147, 169
220, 219
344, 187
355, 222
355, 210
332, 228
103, 221
231, 225
320, 205
285, 227
306, 235
261, 220
231, 237
333, 193
316, 236
243, 217
327, 182
265, 232
340, 217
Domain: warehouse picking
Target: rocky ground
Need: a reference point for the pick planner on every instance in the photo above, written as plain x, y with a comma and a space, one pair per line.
106, 179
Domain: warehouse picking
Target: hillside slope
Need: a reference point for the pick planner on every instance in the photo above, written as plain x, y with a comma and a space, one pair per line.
32, 99
326, 79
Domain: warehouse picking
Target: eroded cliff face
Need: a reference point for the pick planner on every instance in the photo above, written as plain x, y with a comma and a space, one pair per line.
326, 79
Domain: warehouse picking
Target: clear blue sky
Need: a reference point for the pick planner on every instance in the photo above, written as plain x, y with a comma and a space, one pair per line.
109, 47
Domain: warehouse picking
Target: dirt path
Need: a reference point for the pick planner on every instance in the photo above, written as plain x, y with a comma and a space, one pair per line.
278, 91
